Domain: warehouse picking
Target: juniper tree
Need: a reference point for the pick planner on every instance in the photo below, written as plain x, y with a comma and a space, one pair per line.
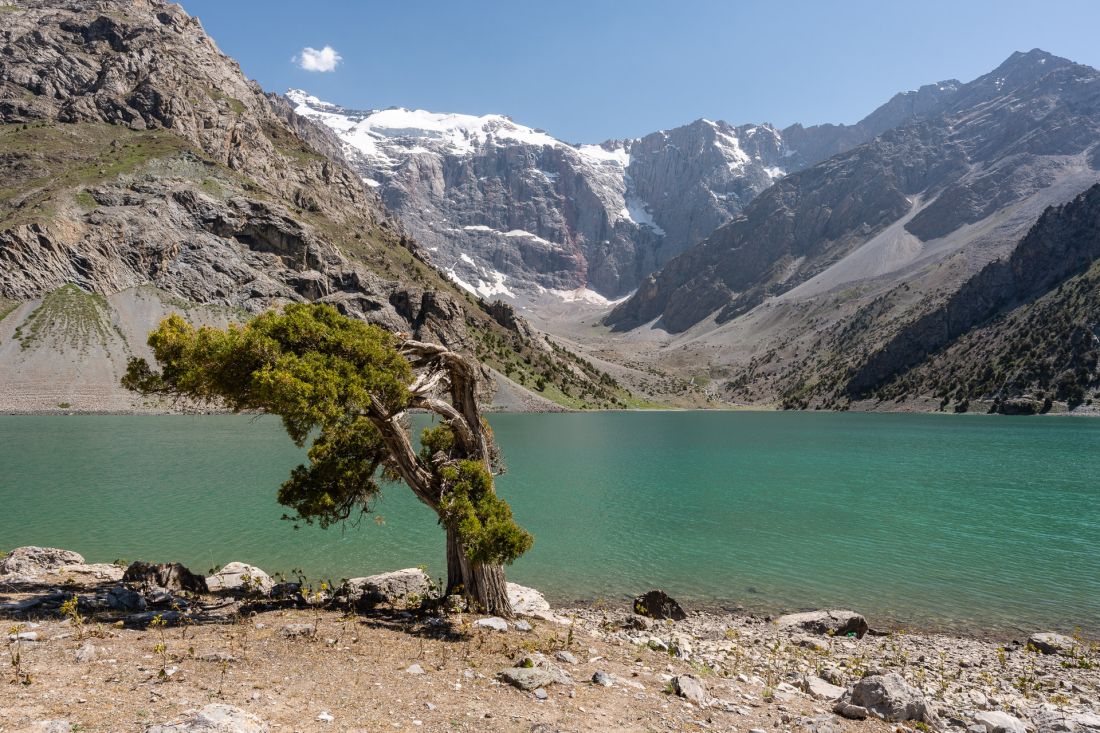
346, 387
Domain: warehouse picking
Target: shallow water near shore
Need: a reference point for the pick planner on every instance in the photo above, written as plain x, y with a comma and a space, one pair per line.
968, 523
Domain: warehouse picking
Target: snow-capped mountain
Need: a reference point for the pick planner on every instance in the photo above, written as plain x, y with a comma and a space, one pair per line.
507, 209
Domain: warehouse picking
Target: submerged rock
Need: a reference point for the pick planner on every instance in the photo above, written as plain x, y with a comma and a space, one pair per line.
833, 622
400, 587
658, 604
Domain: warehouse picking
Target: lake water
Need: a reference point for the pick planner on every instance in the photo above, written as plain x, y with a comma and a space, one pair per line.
970, 522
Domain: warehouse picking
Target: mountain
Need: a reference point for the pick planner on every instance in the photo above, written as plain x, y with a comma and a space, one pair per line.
1022, 332
800, 294
991, 153
508, 210
143, 173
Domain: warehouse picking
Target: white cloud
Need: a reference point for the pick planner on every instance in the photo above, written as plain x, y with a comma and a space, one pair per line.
311, 59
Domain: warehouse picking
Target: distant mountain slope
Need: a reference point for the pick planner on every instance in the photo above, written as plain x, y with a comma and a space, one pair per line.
134, 153
972, 172
1027, 325
508, 209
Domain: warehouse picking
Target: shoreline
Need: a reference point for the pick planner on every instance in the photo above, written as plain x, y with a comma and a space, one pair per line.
296, 658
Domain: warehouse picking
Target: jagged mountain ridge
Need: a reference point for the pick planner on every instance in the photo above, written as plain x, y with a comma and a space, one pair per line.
134, 153
506, 208
1005, 145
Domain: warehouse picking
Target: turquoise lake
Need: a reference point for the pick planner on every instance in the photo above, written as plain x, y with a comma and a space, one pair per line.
966, 522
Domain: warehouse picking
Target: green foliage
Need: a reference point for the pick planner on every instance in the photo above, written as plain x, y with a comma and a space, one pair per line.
482, 520
339, 380
69, 314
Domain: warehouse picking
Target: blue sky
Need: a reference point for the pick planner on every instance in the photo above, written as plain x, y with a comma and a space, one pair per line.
592, 70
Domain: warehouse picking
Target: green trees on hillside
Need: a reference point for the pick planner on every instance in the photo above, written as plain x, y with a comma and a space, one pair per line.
346, 386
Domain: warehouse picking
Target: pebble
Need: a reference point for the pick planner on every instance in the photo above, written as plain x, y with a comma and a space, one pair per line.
325, 717
414, 668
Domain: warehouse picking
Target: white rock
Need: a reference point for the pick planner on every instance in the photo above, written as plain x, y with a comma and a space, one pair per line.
996, 721
241, 577
216, 718
526, 601
493, 622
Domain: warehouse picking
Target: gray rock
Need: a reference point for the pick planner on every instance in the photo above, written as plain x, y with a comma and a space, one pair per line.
34, 561
811, 642
86, 653
298, 631
819, 689
659, 605
996, 721
564, 656
528, 678
1049, 642
215, 718
891, 698
414, 669
820, 724
397, 588
238, 576
601, 678
834, 622
47, 726
171, 576
691, 689
526, 601
121, 598
493, 622
848, 710
522, 625
540, 693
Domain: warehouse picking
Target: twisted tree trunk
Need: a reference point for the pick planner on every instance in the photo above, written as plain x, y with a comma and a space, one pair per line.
482, 584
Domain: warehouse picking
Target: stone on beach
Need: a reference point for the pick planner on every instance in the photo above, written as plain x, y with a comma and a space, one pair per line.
819, 689
215, 718
400, 587
833, 622
659, 605
526, 601
1050, 642
239, 576
996, 721
171, 576
891, 698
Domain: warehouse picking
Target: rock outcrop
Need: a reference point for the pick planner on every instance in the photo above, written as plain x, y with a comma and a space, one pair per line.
394, 588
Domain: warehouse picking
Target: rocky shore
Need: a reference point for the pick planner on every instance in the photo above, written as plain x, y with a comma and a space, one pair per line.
157, 648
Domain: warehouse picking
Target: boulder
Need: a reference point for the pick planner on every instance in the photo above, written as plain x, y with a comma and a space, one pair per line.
601, 678
33, 561
526, 601
299, 631
819, 689
528, 678
834, 622
401, 587
493, 622
171, 576
47, 726
124, 599
658, 604
240, 577
216, 718
691, 689
891, 698
996, 721
1049, 642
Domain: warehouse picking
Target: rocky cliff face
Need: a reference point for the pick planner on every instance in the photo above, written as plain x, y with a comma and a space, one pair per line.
984, 156
1041, 300
133, 153
505, 207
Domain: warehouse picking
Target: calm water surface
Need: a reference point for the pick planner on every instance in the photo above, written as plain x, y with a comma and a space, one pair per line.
969, 522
